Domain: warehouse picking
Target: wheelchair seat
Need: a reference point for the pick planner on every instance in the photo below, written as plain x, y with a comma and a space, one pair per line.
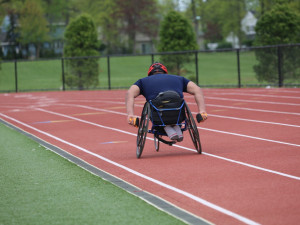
167, 109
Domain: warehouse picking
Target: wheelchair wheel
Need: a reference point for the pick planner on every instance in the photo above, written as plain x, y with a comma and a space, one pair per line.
156, 143
193, 130
142, 130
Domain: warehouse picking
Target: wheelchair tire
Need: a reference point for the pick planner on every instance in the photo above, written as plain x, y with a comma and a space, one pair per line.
193, 130
143, 130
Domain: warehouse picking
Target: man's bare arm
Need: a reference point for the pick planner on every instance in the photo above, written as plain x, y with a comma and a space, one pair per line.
195, 90
132, 93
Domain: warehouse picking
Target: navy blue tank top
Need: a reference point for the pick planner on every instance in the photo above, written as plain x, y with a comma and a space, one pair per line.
151, 86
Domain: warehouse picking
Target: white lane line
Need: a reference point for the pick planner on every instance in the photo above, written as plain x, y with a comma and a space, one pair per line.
278, 90
244, 164
256, 121
97, 109
219, 131
221, 106
122, 131
241, 135
243, 100
259, 95
251, 109
227, 117
191, 196
247, 136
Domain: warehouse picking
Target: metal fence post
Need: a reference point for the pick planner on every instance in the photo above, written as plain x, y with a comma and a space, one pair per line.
152, 59
108, 72
63, 73
279, 56
16, 76
238, 67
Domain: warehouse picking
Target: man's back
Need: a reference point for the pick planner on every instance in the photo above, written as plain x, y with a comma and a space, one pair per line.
151, 86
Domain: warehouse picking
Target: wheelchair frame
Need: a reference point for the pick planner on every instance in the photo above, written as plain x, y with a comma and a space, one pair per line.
188, 124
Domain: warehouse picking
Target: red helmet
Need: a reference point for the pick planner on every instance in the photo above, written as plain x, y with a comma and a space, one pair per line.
157, 67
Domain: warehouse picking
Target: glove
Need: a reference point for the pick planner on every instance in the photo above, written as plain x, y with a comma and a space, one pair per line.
201, 117
134, 121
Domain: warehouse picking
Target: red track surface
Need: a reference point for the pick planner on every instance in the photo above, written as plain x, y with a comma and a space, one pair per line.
249, 171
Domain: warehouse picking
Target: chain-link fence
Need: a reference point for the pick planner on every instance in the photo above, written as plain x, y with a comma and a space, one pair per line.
276, 66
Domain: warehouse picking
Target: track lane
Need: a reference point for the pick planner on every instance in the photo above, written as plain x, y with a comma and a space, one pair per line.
256, 129
258, 147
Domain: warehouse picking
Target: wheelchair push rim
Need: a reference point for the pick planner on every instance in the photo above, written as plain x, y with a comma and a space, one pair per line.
142, 130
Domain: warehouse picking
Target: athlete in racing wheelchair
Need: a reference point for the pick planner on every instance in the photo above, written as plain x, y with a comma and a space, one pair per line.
165, 107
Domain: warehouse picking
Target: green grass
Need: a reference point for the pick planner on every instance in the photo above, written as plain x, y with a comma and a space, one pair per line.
40, 74
39, 187
124, 70
217, 68
32, 75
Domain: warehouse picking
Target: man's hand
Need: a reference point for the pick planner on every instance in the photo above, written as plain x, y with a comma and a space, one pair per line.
132, 120
201, 117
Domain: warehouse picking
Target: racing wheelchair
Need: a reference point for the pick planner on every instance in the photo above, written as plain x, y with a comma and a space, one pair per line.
168, 108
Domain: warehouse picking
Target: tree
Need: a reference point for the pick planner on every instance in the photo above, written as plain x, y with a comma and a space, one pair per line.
109, 26
278, 26
57, 10
281, 25
137, 17
81, 41
168, 5
263, 6
176, 34
220, 18
102, 12
11, 8
120, 21
33, 25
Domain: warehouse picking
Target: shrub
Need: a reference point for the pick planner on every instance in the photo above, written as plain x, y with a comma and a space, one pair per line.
81, 41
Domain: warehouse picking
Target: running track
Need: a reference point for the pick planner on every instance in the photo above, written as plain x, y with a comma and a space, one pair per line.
249, 172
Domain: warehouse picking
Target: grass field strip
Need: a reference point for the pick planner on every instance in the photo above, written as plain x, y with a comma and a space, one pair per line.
186, 194
178, 146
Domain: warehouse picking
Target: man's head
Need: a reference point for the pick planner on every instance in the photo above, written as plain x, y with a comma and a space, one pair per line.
157, 68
